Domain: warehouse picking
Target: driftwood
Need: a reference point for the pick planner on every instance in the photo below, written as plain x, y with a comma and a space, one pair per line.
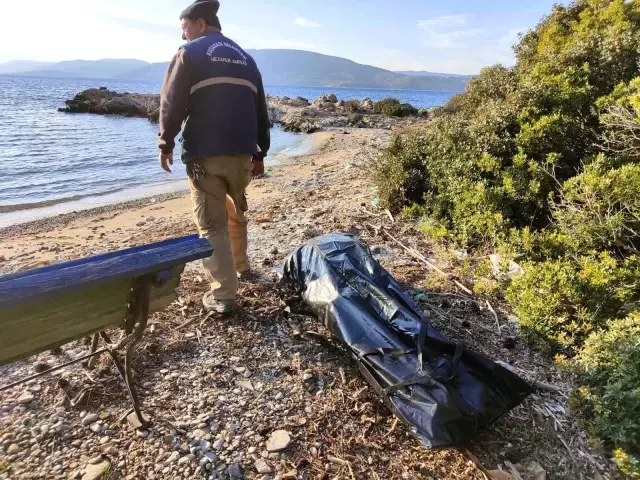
535, 383
495, 315
418, 256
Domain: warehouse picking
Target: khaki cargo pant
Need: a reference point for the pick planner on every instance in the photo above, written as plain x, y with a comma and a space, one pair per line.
219, 204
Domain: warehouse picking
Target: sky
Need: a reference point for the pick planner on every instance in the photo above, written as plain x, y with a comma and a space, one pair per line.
456, 36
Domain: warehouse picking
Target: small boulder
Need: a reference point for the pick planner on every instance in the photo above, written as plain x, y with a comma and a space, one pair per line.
367, 104
278, 441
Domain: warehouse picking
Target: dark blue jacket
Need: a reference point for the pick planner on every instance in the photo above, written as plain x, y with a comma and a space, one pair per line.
225, 110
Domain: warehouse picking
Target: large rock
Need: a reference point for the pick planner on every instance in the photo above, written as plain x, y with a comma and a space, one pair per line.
295, 115
326, 103
107, 102
299, 102
367, 104
328, 98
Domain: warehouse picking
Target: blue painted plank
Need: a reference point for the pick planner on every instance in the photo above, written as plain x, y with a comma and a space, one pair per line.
47, 282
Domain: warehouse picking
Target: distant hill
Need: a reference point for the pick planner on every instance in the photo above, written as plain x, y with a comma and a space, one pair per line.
107, 68
301, 68
151, 72
19, 66
278, 67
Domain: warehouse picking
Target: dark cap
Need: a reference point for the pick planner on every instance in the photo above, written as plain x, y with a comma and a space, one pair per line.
204, 9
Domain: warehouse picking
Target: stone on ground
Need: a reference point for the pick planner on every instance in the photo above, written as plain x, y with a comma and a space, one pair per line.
279, 440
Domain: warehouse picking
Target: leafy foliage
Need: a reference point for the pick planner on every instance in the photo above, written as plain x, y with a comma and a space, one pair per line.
391, 107
542, 162
561, 302
610, 364
352, 106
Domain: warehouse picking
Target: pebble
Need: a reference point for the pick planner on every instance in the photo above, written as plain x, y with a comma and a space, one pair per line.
245, 384
234, 471
219, 444
278, 441
25, 399
95, 460
187, 459
211, 456
13, 448
172, 458
90, 418
169, 439
262, 466
111, 450
96, 428
132, 419
94, 472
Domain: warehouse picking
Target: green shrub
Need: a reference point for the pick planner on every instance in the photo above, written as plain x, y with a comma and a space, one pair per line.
518, 134
610, 364
620, 117
600, 208
391, 107
400, 173
352, 106
561, 302
354, 119
542, 162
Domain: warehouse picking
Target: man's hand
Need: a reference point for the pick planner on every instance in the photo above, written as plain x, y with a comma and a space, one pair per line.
258, 168
166, 159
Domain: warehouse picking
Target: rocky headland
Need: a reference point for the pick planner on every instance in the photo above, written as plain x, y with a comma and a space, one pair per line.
293, 114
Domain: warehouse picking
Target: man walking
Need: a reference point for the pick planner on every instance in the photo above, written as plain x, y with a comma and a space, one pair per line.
214, 92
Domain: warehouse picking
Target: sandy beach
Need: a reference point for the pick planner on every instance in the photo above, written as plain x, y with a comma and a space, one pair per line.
153, 218
218, 389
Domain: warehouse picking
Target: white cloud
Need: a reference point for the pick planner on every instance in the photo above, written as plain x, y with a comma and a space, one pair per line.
305, 22
448, 31
464, 51
445, 21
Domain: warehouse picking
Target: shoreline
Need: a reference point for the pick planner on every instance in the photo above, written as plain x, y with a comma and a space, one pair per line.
104, 202
71, 235
61, 219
